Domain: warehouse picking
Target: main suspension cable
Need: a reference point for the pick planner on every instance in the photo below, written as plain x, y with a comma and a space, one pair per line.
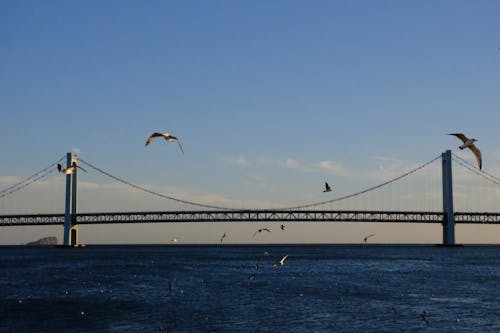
151, 191
363, 191
285, 208
472, 168
29, 180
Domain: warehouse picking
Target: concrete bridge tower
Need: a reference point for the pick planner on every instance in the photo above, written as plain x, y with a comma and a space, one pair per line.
448, 213
70, 227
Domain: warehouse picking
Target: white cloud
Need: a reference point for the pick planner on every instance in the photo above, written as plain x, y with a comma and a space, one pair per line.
238, 160
257, 181
323, 167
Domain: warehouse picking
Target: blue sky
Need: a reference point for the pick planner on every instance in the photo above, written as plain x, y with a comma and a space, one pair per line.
269, 98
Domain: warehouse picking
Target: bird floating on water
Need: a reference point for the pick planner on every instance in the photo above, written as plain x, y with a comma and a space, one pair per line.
469, 143
366, 237
260, 230
70, 170
327, 188
167, 137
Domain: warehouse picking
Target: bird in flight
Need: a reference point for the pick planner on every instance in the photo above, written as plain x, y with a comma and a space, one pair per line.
167, 137
281, 262
327, 188
469, 143
70, 170
222, 237
282, 227
260, 230
366, 238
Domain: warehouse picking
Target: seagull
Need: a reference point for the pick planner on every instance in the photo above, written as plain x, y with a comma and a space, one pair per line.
282, 261
222, 237
260, 230
366, 237
174, 240
327, 188
282, 227
469, 143
167, 137
70, 170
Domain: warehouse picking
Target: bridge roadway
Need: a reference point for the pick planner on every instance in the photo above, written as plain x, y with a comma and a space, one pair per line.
250, 216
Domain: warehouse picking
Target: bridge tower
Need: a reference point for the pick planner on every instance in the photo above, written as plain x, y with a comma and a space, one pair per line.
70, 227
448, 213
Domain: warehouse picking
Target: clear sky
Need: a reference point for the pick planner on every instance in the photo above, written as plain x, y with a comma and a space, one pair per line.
270, 99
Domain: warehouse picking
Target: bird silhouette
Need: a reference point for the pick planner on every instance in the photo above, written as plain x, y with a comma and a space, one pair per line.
366, 237
222, 237
70, 170
167, 137
282, 227
327, 188
469, 143
260, 230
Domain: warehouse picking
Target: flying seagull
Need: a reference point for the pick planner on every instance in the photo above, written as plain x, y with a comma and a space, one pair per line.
282, 227
167, 137
327, 188
70, 170
469, 143
222, 237
282, 261
366, 237
260, 230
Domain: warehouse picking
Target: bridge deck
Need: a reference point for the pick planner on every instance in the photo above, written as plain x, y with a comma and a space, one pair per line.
250, 216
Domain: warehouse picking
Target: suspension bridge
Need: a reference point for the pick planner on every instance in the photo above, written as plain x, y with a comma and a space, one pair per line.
312, 212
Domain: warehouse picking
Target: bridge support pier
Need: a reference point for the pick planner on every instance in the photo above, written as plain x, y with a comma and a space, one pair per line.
448, 213
70, 237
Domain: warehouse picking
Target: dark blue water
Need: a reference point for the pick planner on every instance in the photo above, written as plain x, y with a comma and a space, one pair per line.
342, 288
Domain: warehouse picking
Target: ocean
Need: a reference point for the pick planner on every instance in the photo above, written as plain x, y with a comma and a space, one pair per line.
319, 288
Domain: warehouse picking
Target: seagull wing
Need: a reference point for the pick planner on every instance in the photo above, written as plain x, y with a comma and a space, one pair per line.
59, 167
152, 137
460, 136
477, 153
265, 229
282, 261
180, 146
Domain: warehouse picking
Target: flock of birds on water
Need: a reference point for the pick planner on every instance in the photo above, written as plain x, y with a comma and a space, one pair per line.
466, 143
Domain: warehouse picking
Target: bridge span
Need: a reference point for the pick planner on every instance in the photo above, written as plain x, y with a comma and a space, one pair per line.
251, 215
71, 218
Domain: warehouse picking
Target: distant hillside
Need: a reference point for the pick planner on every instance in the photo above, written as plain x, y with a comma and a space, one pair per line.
45, 241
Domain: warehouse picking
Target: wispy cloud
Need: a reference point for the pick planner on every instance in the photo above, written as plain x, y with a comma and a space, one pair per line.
255, 180
235, 160
324, 167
